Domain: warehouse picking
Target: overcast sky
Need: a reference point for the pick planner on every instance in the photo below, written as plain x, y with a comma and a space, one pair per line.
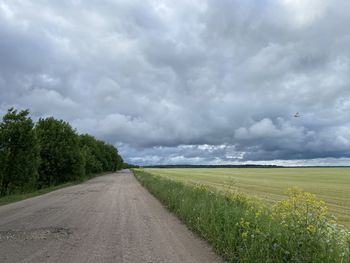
209, 82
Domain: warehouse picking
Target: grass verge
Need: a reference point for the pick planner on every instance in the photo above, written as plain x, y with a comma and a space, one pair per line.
4, 200
241, 229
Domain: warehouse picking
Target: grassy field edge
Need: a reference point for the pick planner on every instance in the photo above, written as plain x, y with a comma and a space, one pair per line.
243, 230
8, 199
331, 185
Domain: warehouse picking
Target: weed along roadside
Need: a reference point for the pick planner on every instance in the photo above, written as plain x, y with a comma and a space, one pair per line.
241, 229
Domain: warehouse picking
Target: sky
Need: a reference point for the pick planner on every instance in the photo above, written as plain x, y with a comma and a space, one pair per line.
186, 82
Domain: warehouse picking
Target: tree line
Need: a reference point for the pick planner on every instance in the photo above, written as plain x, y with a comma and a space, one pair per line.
47, 153
214, 166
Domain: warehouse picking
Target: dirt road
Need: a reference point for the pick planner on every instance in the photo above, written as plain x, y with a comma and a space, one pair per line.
110, 218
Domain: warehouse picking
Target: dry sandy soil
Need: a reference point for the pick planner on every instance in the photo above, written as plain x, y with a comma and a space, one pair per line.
111, 218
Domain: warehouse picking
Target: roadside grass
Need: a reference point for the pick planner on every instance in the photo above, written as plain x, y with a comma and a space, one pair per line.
243, 229
19, 197
332, 185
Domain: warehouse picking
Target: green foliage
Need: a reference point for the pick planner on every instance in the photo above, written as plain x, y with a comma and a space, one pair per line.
19, 157
61, 158
129, 166
90, 152
47, 154
305, 221
242, 229
99, 156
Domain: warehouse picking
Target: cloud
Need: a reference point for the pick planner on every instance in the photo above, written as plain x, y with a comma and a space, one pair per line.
303, 13
186, 82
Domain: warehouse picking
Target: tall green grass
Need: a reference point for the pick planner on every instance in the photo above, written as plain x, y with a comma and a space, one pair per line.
242, 229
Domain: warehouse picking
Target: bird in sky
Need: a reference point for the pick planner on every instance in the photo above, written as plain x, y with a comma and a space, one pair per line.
296, 115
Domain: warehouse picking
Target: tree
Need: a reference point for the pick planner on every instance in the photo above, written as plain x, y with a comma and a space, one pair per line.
99, 156
61, 158
49, 153
89, 148
19, 153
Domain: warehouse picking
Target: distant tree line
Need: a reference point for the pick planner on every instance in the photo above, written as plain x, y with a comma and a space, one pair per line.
130, 166
47, 153
214, 166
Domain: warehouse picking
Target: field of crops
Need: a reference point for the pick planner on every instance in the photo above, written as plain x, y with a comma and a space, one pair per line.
332, 185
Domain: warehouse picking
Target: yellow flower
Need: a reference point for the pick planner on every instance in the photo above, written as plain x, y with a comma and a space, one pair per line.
311, 228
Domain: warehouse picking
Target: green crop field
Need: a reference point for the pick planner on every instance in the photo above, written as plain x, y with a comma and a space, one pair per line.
332, 185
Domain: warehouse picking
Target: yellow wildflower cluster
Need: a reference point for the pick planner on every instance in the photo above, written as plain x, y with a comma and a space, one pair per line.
245, 228
302, 213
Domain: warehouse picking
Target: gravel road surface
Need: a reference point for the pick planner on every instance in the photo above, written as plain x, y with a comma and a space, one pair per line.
110, 218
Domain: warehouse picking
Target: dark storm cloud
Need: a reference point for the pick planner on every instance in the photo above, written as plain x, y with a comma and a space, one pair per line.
186, 81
